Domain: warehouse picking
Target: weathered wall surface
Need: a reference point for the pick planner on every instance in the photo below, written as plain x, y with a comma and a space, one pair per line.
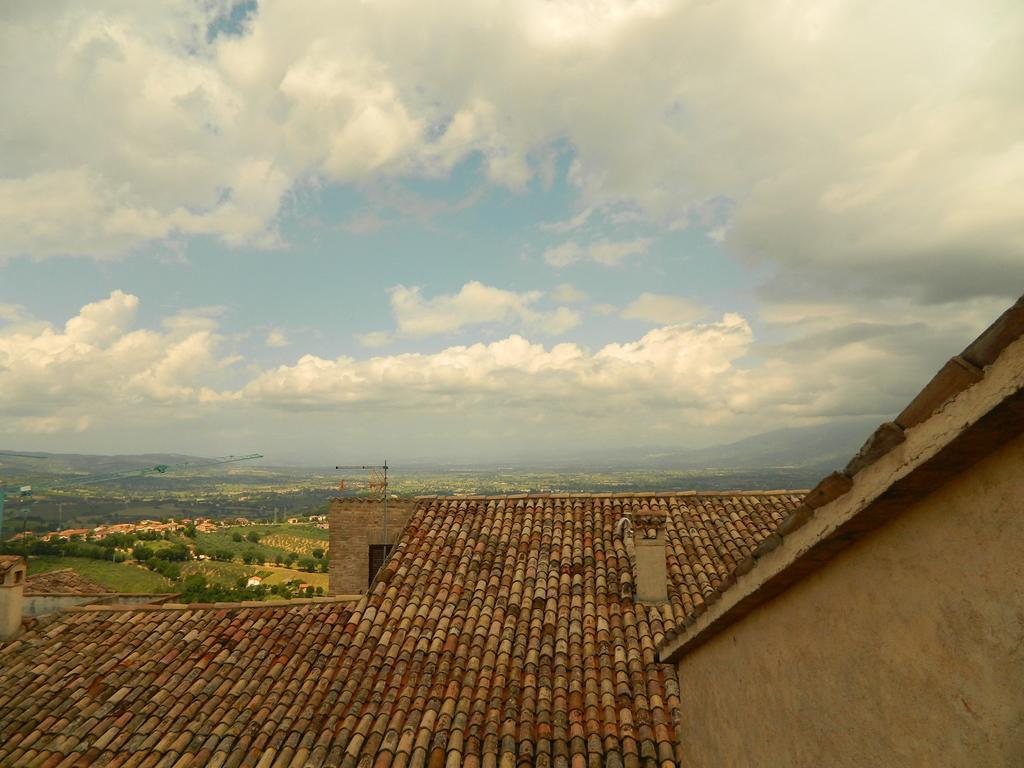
39, 605
907, 649
355, 524
12, 587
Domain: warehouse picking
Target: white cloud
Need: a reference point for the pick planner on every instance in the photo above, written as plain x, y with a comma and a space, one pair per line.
475, 304
609, 253
99, 375
570, 224
99, 365
277, 339
892, 181
662, 309
375, 339
697, 377
563, 255
672, 366
568, 293
10, 313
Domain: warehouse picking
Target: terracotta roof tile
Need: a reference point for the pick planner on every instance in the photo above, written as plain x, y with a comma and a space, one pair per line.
502, 632
63, 582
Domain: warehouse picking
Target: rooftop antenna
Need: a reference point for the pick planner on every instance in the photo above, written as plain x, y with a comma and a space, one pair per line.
378, 481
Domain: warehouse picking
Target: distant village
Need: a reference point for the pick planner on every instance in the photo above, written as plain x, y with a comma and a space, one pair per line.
169, 526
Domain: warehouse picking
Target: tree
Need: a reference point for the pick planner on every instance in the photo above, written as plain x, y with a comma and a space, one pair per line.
142, 553
170, 570
307, 564
190, 530
290, 558
278, 559
252, 536
318, 553
175, 553
251, 556
194, 582
236, 536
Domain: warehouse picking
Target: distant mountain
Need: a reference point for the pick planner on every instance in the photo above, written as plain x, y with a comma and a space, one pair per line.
821, 448
46, 468
810, 450
78, 463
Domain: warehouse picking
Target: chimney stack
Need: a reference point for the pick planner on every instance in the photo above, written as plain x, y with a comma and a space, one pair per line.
12, 588
651, 571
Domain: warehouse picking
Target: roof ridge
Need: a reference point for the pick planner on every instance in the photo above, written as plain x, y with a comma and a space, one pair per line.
612, 494
214, 606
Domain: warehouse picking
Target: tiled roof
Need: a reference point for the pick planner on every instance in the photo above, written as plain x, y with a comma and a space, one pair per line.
63, 582
503, 631
166, 686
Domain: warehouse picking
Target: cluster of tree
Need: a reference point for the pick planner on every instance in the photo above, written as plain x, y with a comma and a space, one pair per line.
287, 559
197, 589
303, 563
176, 553
163, 561
118, 540
165, 568
94, 550
252, 536
251, 557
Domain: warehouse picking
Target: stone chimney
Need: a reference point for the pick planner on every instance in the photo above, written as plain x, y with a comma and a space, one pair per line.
651, 571
12, 587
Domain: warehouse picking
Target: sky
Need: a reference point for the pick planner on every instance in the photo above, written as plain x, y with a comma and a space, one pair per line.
489, 231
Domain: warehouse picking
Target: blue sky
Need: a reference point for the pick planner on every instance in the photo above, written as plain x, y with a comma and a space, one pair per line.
325, 285
318, 230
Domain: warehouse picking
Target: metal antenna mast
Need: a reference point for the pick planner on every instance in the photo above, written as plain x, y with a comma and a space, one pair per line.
378, 481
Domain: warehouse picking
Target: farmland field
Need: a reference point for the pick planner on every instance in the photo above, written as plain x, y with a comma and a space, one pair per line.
226, 574
290, 543
118, 577
273, 574
274, 540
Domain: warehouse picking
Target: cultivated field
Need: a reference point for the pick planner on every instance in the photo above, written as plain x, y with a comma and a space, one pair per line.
290, 543
118, 577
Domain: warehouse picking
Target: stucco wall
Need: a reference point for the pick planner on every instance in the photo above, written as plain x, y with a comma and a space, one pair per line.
907, 649
40, 605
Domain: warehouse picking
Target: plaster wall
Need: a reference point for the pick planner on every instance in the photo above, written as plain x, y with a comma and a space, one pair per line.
12, 587
10, 611
907, 649
40, 605
651, 571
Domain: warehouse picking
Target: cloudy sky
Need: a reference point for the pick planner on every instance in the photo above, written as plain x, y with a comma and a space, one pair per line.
476, 230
